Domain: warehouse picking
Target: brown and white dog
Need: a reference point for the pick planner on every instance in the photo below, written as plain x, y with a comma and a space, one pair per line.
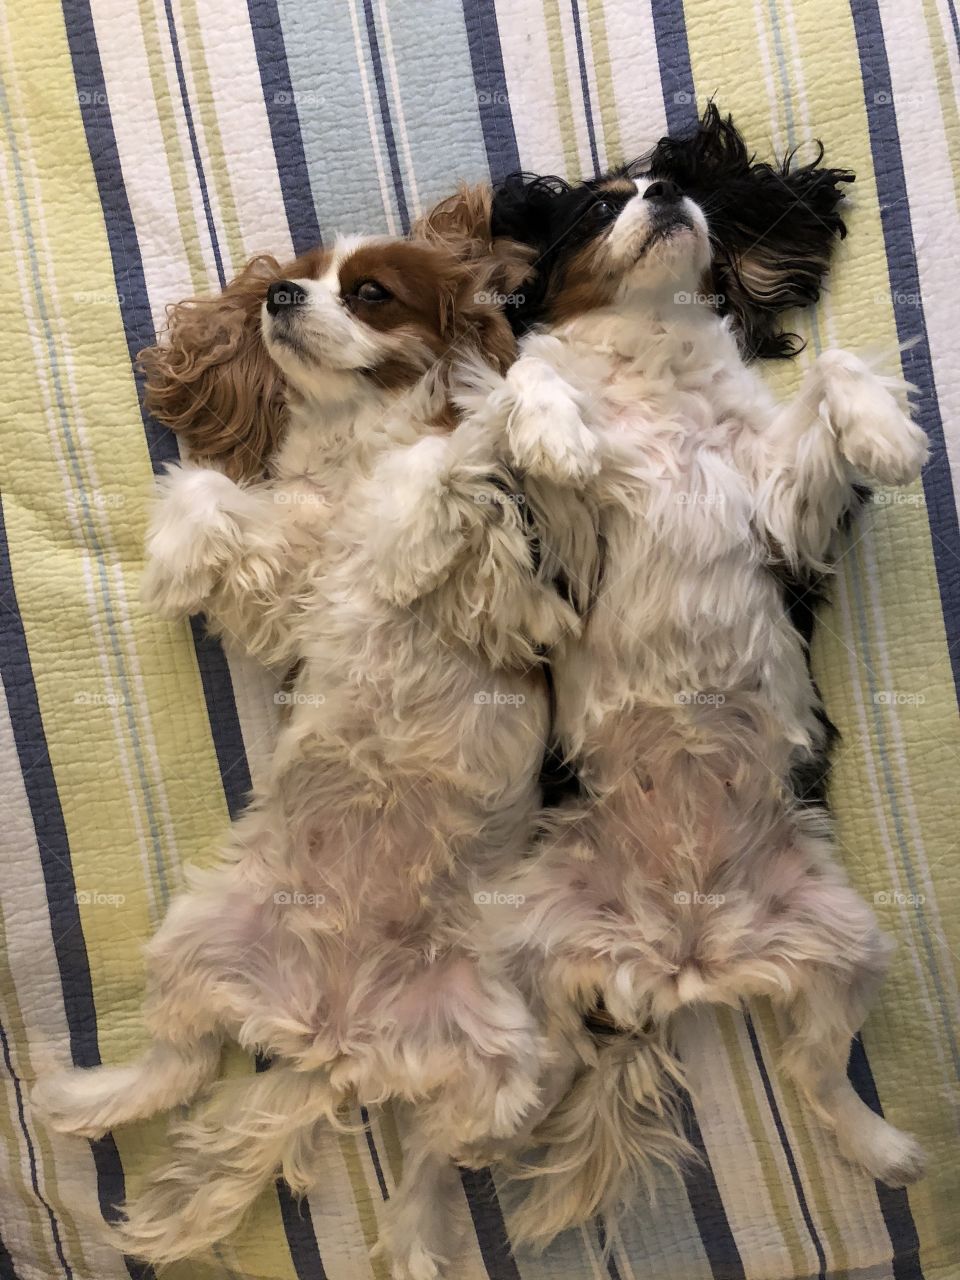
351, 527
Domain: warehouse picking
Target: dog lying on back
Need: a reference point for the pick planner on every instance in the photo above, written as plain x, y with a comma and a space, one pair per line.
688, 871
385, 551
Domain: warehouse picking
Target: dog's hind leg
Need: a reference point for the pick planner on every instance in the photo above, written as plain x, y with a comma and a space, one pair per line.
198, 944
230, 1150
831, 994
426, 1219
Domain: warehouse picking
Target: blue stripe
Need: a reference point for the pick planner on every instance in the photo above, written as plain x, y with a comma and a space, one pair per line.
138, 328
301, 1236
585, 87
7, 1270
676, 72
787, 1149
284, 119
911, 323
894, 1204
374, 1154
706, 1204
224, 720
489, 1224
194, 144
31, 1153
54, 851
603, 1243
388, 134
490, 79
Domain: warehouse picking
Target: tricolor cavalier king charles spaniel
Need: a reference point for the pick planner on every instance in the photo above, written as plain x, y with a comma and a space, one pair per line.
688, 871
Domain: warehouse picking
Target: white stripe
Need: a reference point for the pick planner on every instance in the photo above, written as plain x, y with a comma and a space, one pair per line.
729, 1140
399, 118
375, 144
39, 994
635, 72
931, 189
871, 869
530, 86
245, 133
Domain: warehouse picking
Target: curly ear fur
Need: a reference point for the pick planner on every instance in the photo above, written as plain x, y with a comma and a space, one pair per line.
496, 269
210, 379
774, 227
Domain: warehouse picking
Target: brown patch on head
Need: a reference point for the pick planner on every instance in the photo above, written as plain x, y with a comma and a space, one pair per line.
586, 283
210, 378
436, 308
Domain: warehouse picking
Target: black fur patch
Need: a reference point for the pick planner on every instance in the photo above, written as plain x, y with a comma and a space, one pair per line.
773, 227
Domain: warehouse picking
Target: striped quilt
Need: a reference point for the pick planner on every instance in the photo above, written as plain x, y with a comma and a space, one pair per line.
150, 146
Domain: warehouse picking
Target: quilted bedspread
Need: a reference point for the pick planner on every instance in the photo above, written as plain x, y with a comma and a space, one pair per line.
149, 147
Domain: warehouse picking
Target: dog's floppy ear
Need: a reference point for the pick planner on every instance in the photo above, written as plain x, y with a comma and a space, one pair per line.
463, 225
210, 379
774, 227
524, 212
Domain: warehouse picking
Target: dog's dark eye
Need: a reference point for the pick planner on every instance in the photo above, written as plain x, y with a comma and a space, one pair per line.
602, 211
371, 291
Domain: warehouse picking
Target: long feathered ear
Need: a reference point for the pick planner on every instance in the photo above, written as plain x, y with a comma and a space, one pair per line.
209, 377
463, 225
525, 212
774, 227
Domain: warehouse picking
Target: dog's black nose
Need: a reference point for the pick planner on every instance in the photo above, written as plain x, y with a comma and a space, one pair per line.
283, 294
663, 189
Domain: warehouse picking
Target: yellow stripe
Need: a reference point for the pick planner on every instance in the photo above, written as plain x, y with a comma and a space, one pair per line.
205, 105
363, 1197
612, 144
179, 181
784, 1209
561, 90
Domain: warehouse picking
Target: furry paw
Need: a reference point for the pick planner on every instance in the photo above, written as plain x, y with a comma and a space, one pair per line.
65, 1102
869, 414
886, 1153
546, 436
192, 536
418, 1263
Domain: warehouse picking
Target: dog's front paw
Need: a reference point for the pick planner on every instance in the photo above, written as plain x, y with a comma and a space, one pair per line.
546, 435
869, 414
192, 536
